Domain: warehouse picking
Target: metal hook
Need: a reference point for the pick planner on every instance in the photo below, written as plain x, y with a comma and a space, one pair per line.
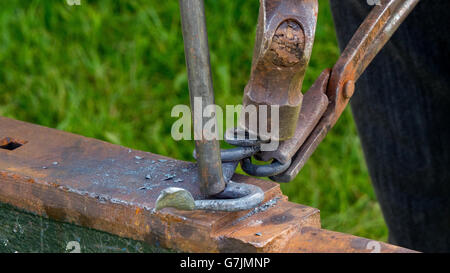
235, 197
271, 169
235, 154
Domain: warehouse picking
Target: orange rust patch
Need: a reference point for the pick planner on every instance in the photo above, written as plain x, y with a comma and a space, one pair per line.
288, 44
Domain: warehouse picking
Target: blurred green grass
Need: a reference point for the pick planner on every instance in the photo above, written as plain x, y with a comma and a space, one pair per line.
113, 70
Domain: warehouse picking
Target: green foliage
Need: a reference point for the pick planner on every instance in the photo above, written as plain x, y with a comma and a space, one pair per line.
113, 70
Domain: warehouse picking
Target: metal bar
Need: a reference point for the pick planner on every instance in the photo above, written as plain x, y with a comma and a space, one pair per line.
200, 86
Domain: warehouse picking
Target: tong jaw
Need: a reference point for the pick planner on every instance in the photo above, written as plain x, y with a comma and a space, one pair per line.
284, 41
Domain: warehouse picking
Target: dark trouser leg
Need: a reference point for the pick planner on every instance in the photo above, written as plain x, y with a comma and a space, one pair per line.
402, 111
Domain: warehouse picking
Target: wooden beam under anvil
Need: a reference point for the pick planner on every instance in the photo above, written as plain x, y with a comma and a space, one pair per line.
107, 187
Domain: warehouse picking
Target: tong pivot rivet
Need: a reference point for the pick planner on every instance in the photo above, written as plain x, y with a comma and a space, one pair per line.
349, 89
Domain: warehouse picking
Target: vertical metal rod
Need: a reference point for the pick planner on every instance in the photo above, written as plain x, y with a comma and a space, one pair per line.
200, 86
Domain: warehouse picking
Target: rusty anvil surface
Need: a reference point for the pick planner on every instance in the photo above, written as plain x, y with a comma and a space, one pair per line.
95, 184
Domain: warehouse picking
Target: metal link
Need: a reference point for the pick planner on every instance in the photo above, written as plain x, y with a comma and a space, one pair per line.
241, 138
248, 146
271, 169
236, 154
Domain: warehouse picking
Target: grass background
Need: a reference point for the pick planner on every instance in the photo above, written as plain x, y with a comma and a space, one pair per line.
113, 70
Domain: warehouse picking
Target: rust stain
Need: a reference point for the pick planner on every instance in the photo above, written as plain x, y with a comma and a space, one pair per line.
288, 44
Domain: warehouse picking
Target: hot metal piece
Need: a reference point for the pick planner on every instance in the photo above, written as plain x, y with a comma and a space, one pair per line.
283, 46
